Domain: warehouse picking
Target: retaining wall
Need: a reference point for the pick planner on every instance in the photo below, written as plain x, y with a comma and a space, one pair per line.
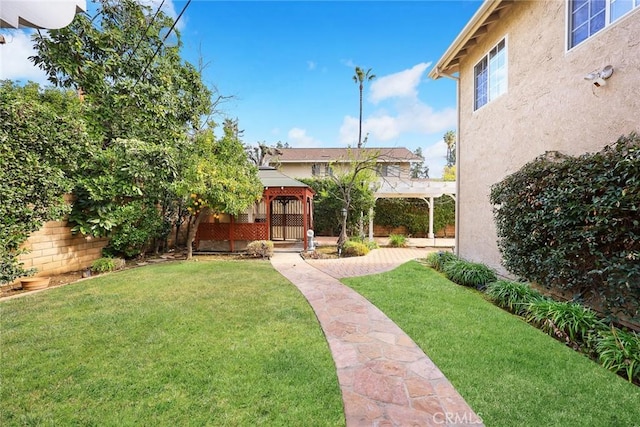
54, 250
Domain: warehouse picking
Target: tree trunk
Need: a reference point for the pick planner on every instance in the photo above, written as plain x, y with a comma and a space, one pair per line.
360, 123
193, 230
343, 233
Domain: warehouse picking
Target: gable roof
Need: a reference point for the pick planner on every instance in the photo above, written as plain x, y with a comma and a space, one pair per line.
490, 11
325, 155
271, 177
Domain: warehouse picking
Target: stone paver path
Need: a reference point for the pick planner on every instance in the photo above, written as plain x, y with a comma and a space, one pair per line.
385, 378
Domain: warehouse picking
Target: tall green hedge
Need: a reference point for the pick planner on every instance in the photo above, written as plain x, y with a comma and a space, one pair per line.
414, 214
42, 139
573, 224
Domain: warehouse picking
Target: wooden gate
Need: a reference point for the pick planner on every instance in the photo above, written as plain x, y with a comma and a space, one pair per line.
287, 219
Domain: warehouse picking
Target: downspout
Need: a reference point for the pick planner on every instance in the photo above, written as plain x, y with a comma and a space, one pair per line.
457, 199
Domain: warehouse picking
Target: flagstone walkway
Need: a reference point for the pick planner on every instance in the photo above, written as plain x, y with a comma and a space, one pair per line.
385, 378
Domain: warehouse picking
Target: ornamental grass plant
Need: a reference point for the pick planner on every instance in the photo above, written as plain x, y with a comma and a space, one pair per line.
470, 274
513, 296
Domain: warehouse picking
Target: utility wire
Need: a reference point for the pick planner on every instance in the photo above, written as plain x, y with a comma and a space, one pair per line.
146, 31
161, 43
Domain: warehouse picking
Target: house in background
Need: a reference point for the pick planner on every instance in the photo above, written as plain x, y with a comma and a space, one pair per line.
536, 76
319, 162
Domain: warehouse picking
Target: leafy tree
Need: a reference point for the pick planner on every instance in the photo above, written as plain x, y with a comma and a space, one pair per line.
134, 85
142, 101
449, 173
419, 170
220, 178
359, 176
327, 206
42, 138
450, 140
119, 193
360, 77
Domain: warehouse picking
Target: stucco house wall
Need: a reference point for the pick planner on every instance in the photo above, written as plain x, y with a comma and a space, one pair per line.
298, 170
548, 106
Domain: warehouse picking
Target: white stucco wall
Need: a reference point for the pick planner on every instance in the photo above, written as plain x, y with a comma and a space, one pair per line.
548, 106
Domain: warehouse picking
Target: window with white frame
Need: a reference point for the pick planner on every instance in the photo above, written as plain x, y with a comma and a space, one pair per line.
587, 17
490, 75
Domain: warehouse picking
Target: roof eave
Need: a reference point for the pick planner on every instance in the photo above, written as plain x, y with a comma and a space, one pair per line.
488, 12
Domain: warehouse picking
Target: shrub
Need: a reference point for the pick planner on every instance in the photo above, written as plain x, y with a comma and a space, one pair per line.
513, 296
571, 223
397, 241
557, 318
437, 260
372, 244
352, 248
106, 264
260, 248
469, 274
619, 351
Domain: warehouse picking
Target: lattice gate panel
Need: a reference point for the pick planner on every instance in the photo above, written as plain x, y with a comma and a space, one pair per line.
287, 219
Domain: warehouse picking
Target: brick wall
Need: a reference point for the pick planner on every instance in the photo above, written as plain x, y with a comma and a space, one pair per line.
54, 250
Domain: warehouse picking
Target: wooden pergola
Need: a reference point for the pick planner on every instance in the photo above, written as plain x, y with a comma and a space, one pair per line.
285, 213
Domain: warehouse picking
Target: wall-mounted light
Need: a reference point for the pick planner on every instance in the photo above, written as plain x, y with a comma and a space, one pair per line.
599, 77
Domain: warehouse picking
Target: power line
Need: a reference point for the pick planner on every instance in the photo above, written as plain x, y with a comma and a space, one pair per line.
146, 31
161, 43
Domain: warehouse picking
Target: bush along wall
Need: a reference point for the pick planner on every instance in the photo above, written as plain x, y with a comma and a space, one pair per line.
572, 224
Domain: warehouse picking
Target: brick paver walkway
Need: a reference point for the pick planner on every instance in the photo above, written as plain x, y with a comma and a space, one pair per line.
385, 378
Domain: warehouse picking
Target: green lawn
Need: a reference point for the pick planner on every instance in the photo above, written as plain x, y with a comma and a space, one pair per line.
195, 343
508, 371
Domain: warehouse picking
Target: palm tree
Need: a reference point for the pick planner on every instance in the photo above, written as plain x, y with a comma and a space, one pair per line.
450, 140
360, 77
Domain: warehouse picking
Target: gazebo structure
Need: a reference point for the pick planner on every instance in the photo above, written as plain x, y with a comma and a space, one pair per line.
424, 189
285, 213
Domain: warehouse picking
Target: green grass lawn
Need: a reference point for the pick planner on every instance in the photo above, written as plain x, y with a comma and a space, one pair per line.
508, 371
228, 343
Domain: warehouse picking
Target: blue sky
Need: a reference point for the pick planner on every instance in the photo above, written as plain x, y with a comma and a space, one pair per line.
289, 67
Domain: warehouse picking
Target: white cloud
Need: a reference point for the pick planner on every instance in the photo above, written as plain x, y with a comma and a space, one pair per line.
407, 114
435, 157
298, 138
415, 117
348, 62
437, 150
399, 85
14, 62
311, 65
349, 131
